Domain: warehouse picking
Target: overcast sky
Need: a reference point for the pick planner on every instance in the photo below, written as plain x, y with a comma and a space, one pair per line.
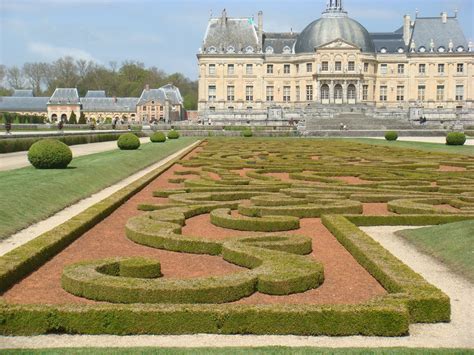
168, 33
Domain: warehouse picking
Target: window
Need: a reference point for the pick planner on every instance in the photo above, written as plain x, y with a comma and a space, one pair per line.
400, 93
383, 68
153, 108
351, 92
338, 92
309, 92
383, 93
365, 92
212, 69
286, 93
212, 92
338, 66
270, 95
298, 94
144, 108
459, 92
249, 93
212, 108
422, 68
421, 92
325, 66
440, 93
309, 67
351, 66
231, 108
230, 93
249, 69
269, 68
297, 68
230, 69
440, 68
286, 69
460, 68
366, 67
325, 92
401, 68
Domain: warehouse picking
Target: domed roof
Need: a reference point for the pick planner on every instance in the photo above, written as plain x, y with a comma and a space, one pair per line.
334, 24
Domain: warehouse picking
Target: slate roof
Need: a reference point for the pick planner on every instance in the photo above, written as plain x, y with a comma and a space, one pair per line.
22, 93
109, 104
278, 41
223, 33
428, 28
95, 93
18, 103
173, 94
64, 96
152, 95
391, 41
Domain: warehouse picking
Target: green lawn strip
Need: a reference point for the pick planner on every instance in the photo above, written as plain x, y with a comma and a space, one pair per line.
240, 350
28, 195
428, 147
451, 243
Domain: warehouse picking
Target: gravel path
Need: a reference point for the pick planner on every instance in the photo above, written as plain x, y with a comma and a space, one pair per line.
10, 161
441, 140
458, 333
35, 230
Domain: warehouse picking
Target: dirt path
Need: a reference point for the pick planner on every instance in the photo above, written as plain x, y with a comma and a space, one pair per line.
456, 334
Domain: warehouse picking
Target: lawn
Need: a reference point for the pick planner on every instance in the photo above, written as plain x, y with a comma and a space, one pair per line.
429, 147
28, 195
240, 351
451, 243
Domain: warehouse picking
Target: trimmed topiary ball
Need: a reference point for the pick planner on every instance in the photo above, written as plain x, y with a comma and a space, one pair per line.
173, 134
128, 141
158, 137
455, 138
391, 136
247, 133
49, 154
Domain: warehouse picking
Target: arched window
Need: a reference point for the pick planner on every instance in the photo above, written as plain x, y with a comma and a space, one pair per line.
269, 50
54, 117
401, 50
230, 49
249, 50
64, 117
422, 49
338, 92
383, 50
460, 49
286, 50
351, 92
325, 92
212, 49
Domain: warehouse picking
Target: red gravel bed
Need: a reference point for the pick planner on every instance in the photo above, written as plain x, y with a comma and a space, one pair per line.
352, 180
448, 168
376, 209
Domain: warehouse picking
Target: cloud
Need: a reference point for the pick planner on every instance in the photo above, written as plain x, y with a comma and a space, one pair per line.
50, 52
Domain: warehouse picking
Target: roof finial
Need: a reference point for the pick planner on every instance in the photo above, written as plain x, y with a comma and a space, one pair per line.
334, 7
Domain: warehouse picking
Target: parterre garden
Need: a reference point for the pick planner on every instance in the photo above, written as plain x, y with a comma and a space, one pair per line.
244, 236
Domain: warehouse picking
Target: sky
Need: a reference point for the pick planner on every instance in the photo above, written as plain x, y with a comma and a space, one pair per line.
168, 33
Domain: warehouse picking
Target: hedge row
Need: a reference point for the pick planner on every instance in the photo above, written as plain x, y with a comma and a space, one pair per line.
9, 145
425, 302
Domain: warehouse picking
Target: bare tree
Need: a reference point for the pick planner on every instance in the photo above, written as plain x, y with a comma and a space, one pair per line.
3, 73
15, 78
36, 74
66, 72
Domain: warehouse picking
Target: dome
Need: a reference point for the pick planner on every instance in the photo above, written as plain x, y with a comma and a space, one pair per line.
331, 27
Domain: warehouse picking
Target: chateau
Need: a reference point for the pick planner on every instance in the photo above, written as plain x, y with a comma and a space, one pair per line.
426, 65
163, 104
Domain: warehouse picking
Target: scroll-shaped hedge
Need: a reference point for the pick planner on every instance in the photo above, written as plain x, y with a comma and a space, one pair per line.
222, 218
273, 271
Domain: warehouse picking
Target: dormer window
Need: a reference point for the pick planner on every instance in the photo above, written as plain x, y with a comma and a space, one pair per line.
269, 50
422, 49
441, 49
400, 50
286, 50
383, 50
230, 49
249, 50
460, 49
212, 49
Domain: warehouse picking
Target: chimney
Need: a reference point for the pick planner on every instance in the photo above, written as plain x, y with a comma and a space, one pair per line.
406, 29
224, 16
444, 17
147, 87
260, 28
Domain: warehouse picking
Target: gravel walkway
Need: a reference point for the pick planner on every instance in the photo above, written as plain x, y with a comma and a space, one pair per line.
10, 161
440, 140
459, 333
35, 230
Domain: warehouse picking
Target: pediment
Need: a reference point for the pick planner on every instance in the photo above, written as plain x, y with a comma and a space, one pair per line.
339, 44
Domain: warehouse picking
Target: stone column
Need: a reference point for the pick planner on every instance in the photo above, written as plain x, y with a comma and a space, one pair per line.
344, 92
331, 92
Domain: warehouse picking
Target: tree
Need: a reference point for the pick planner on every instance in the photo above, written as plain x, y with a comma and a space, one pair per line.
72, 118
15, 78
36, 74
82, 118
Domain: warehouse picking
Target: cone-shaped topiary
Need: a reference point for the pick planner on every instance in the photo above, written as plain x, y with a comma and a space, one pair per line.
158, 137
49, 154
128, 141
72, 119
82, 118
391, 136
173, 134
455, 138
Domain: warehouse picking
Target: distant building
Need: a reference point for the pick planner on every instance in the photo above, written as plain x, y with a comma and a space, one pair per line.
426, 63
163, 104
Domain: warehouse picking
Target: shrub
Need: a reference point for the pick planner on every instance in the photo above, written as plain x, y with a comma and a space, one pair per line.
391, 136
158, 137
128, 141
49, 154
82, 118
455, 138
72, 119
173, 134
247, 133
